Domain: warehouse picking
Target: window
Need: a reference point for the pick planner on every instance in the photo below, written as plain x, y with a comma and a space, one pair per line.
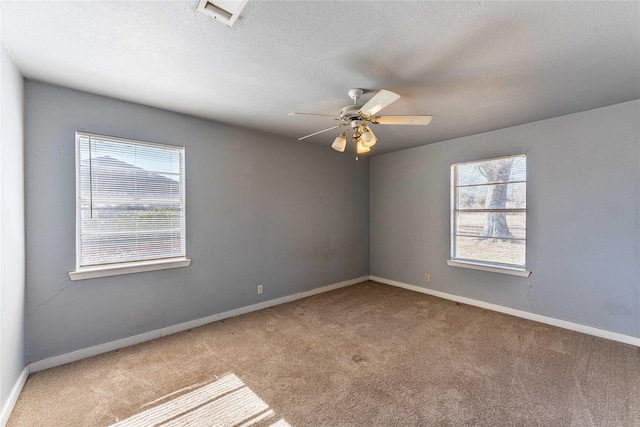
488, 220
130, 206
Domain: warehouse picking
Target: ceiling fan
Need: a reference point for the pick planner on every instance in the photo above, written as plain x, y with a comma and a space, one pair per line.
358, 117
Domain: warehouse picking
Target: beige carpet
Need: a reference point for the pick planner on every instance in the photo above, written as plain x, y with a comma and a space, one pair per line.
364, 355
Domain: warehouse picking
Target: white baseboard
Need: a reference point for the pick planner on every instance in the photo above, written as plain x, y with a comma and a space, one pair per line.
169, 330
13, 396
147, 336
589, 330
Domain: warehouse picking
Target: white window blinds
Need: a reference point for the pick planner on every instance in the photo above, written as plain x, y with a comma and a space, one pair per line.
130, 201
490, 211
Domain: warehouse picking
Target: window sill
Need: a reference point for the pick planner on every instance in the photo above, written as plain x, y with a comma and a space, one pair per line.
521, 272
133, 267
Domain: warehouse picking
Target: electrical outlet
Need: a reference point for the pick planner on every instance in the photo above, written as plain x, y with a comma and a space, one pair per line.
427, 277
260, 289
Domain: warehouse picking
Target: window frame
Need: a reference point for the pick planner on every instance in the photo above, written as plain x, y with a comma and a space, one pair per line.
495, 267
126, 267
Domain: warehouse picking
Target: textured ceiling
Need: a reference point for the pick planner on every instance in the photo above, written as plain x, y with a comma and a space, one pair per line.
475, 66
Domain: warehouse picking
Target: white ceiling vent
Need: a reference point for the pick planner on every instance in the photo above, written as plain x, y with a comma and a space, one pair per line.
225, 11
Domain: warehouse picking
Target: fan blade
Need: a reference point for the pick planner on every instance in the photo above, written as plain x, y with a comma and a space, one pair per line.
325, 130
402, 120
315, 115
378, 102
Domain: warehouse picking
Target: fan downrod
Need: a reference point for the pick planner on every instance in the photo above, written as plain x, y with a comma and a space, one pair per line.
355, 94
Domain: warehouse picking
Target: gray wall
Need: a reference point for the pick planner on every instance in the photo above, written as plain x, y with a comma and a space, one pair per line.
295, 216
12, 258
583, 210
290, 215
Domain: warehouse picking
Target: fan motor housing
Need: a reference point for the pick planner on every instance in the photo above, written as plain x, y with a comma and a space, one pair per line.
350, 112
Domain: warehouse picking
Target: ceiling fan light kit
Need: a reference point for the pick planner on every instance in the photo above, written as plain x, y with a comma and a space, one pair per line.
361, 149
358, 116
340, 143
367, 137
